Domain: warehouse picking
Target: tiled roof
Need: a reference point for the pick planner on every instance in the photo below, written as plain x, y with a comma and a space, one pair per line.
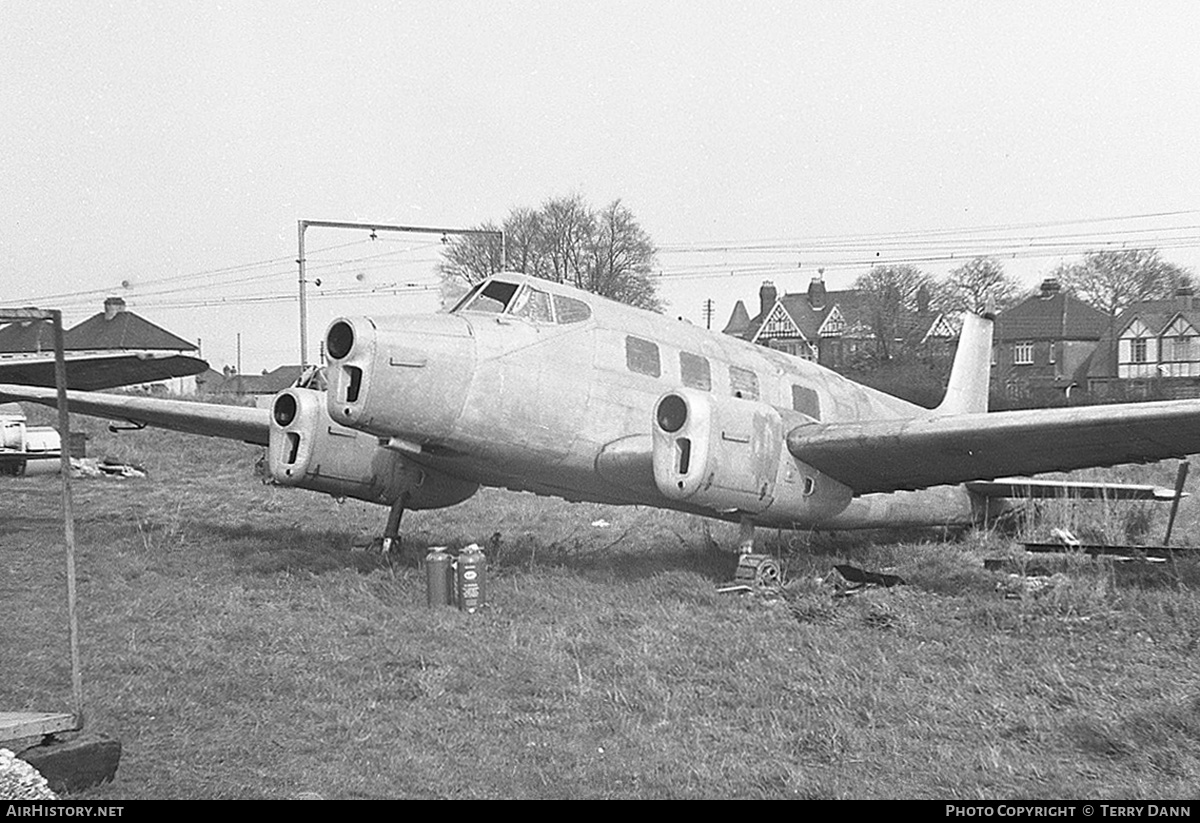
31, 335
1059, 316
272, 382
125, 330
738, 320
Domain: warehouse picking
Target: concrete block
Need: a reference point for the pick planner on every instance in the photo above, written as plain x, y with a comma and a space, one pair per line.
71, 765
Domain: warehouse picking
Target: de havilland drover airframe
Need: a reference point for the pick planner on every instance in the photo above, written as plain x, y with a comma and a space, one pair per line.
535, 386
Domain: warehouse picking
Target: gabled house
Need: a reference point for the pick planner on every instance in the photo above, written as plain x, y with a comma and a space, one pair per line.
1152, 351
1041, 347
834, 328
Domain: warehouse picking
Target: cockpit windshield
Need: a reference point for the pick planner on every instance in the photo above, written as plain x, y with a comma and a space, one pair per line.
490, 297
528, 302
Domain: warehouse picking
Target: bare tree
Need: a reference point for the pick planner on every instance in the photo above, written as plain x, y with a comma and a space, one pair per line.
975, 284
622, 258
606, 252
472, 257
1113, 280
567, 228
891, 293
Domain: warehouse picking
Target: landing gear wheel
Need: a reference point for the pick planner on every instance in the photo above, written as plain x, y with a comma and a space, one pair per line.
758, 570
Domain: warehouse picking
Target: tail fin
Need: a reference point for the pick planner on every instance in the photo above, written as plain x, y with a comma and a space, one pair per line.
967, 391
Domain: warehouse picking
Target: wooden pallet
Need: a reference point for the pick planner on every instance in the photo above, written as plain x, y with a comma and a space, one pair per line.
18, 725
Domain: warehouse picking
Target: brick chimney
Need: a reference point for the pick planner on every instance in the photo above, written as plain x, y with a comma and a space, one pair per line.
766, 296
113, 306
1184, 296
816, 290
1050, 287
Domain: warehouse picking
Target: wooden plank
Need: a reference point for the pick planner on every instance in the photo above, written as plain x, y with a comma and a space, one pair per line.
1117, 551
16, 725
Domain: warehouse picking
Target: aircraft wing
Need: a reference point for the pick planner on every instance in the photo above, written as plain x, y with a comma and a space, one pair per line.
890, 455
99, 370
234, 422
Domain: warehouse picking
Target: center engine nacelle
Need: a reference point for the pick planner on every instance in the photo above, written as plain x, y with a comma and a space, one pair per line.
308, 450
731, 455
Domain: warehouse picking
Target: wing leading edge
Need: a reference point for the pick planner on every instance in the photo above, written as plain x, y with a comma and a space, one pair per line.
234, 422
893, 455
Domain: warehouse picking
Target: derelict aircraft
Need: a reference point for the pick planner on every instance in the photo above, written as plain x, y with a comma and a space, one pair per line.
535, 386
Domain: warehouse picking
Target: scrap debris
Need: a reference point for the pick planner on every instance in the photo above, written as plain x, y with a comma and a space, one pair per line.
21, 781
861, 578
88, 467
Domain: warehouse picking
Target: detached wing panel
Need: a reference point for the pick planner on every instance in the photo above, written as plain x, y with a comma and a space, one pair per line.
99, 371
890, 455
234, 422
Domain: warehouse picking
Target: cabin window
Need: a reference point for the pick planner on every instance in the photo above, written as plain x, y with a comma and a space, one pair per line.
806, 401
534, 304
641, 356
570, 310
743, 383
492, 299
694, 371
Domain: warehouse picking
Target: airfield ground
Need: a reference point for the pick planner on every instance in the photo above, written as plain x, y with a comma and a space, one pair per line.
239, 649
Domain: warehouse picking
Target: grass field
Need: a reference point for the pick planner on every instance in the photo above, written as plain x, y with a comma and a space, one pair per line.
238, 648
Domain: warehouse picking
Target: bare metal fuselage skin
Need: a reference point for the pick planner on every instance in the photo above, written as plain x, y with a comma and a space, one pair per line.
561, 409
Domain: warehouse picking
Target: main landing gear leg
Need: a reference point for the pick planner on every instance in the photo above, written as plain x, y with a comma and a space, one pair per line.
759, 571
391, 532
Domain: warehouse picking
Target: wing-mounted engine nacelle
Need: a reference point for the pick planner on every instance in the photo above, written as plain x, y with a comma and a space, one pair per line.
308, 450
730, 454
405, 377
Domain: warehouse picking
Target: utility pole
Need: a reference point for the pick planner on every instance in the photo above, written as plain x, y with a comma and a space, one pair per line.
302, 226
708, 313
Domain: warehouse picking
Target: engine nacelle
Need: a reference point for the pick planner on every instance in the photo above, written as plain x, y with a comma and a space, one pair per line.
308, 450
731, 455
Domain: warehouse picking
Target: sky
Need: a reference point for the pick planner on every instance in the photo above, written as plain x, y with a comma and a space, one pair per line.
164, 152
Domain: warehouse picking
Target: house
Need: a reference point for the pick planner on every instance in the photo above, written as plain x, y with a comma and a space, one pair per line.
1150, 351
834, 328
269, 383
1042, 346
116, 329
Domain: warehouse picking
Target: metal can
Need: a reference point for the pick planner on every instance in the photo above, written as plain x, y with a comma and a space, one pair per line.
472, 576
439, 579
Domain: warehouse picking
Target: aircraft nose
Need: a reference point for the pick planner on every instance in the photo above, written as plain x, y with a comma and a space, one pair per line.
403, 377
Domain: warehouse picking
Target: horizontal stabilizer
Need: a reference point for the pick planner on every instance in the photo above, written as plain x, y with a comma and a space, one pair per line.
890, 455
1025, 487
235, 422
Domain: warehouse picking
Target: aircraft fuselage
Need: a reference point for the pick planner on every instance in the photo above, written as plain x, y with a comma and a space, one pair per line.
559, 399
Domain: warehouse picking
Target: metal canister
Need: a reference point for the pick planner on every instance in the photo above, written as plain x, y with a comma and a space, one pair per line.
439, 579
472, 576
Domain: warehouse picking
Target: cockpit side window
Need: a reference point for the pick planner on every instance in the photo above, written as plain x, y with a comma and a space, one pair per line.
533, 304
466, 298
570, 310
493, 298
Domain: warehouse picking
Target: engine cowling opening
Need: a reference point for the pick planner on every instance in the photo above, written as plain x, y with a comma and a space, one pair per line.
340, 340
313, 452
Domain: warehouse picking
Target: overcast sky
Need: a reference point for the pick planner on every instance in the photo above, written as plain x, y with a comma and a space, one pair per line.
141, 143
